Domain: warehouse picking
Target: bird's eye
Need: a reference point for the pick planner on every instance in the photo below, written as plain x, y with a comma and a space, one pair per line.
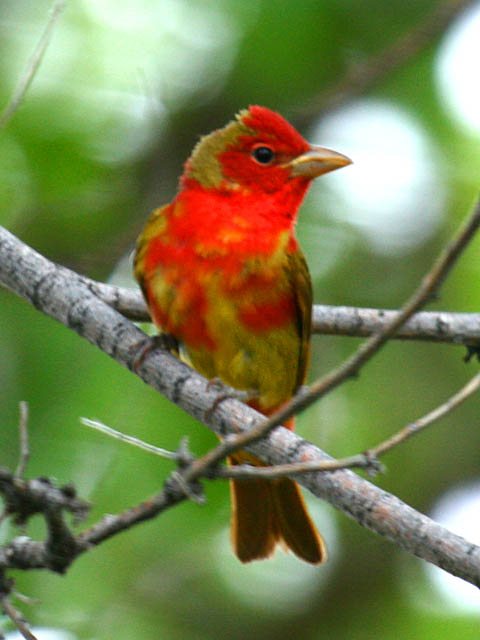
263, 155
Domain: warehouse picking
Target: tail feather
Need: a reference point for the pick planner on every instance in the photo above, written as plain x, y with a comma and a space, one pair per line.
294, 523
253, 529
266, 513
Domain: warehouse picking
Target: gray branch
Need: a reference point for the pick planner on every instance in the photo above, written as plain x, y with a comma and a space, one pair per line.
430, 326
71, 299
356, 322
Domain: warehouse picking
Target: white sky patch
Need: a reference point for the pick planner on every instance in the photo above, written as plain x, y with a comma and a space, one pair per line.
457, 70
459, 511
393, 192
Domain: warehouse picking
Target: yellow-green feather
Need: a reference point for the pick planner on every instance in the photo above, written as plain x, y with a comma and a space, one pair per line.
203, 164
274, 364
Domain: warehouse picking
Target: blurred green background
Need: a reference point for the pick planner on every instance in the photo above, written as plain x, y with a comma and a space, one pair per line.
124, 91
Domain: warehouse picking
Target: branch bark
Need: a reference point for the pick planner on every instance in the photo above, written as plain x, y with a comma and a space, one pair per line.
356, 322
427, 289
429, 326
68, 298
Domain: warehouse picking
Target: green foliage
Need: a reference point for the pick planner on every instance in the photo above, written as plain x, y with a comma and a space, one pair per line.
121, 98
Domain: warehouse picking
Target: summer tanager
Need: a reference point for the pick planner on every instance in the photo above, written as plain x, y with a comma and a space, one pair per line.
225, 279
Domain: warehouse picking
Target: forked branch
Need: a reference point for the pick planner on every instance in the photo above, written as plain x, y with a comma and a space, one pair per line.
67, 297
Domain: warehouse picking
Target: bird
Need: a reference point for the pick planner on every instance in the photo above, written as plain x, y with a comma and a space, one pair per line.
227, 285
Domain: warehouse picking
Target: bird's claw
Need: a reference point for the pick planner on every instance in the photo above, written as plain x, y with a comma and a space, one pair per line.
228, 393
163, 341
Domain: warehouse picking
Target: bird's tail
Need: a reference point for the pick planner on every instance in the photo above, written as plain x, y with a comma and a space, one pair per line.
270, 512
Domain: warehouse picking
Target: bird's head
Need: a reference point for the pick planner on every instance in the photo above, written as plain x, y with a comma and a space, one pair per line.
258, 151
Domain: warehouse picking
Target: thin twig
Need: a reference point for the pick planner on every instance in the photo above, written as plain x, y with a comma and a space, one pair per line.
32, 65
136, 442
367, 460
412, 429
249, 472
361, 78
26, 599
204, 468
348, 369
17, 619
23, 433
186, 483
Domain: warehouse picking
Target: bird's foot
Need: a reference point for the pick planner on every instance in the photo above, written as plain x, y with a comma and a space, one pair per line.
228, 393
163, 341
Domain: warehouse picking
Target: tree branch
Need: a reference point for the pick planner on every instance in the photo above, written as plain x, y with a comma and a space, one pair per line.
23, 433
429, 326
16, 617
208, 465
356, 322
25, 498
350, 367
367, 460
65, 296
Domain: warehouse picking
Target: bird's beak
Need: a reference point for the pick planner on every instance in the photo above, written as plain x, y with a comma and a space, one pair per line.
317, 161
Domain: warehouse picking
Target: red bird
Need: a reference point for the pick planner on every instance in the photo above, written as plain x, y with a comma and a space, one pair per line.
222, 273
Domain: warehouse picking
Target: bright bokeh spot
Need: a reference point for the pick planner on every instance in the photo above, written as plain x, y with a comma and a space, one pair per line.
457, 70
458, 510
43, 633
283, 583
393, 194
116, 71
